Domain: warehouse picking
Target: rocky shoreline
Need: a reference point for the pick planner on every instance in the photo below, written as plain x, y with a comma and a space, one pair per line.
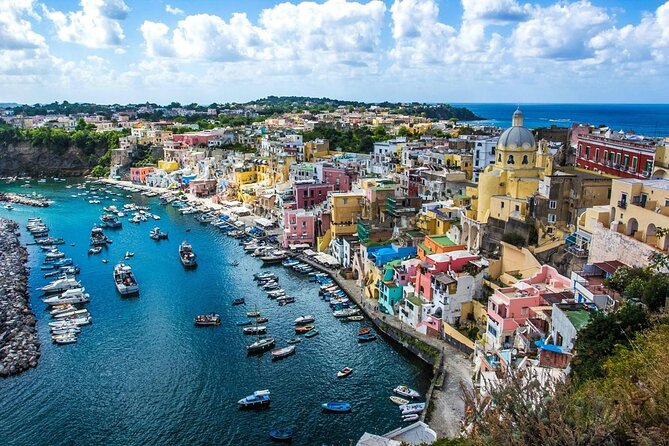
19, 344
22, 199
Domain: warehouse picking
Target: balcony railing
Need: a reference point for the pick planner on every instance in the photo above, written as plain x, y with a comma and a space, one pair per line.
622, 204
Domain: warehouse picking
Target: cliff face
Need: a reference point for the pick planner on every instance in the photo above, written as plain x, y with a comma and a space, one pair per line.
24, 159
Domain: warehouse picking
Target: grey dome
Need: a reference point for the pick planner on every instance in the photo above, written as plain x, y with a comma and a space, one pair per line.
517, 137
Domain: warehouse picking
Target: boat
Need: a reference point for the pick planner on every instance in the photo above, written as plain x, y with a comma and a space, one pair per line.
244, 322
263, 276
204, 320
157, 234
343, 373
238, 301
356, 318
61, 284
281, 353
294, 340
399, 401
98, 237
364, 331
73, 313
366, 338
261, 320
125, 280
187, 255
71, 322
346, 312
62, 308
50, 241
304, 329
110, 221
285, 300
235, 263
405, 391
284, 434
415, 408
303, 320
53, 255
254, 330
410, 417
65, 339
311, 333
260, 345
96, 250
129, 254
256, 399
254, 313
272, 259
66, 331
336, 407
71, 296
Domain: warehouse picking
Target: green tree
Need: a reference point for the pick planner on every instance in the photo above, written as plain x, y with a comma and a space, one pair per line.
81, 125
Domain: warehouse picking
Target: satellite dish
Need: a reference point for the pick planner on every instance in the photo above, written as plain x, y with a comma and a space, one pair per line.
514, 351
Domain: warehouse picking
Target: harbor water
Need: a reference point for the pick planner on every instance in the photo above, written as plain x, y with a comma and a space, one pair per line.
143, 374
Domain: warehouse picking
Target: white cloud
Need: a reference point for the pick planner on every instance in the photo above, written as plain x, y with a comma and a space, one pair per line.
173, 10
16, 31
96, 25
335, 32
494, 11
560, 31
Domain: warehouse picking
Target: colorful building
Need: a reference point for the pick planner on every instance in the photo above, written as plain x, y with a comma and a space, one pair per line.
308, 195
298, 227
138, 174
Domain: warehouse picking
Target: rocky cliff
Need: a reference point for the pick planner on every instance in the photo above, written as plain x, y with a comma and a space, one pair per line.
22, 158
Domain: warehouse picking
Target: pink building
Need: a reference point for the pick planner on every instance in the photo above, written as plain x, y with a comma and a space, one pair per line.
138, 174
439, 263
202, 188
340, 178
510, 307
298, 227
309, 195
194, 139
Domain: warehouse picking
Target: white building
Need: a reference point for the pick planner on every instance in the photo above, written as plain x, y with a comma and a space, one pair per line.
483, 155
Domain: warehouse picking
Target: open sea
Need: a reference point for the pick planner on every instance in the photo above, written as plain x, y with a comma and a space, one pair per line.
143, 374
644, 119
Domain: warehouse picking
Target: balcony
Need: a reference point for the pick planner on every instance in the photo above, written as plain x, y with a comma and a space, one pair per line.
622, 204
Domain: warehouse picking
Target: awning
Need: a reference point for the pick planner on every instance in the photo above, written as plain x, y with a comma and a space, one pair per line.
265, 223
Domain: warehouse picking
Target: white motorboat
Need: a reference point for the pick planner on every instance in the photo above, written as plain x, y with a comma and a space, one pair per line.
73, 313
302, 320
64, 331
409, 409
61, 284
71, 322
405, 391
125, 280
71, 296
64, 339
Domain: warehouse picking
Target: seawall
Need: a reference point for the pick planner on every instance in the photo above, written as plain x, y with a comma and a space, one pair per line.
19, 344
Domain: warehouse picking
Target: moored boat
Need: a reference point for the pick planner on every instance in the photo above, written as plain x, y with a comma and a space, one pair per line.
411, 417
71, 296
255, 330
405, 391
204, 320
336, 407
280, 353
294, 340
61, 284
187, 255
409, 409
256, 399
254, 313
366, 338
343, 373
244, 322
124, 279
311, 333
303, 320
304, 329
238, 301
260, 345
399, 401
284, 434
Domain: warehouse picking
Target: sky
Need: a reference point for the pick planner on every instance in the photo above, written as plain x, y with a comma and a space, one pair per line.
121, 51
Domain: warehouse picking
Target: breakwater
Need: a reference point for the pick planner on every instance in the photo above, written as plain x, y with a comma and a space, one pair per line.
19, 344
22, 199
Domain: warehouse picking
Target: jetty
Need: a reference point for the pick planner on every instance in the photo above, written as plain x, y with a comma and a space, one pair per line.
19, 344
23, 199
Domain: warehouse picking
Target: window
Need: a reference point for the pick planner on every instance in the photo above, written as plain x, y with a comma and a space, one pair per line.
587, 152
617, 158
517, 208
596, 154
523, 311
626, 161
611, 156
552, 204
510, 160
634, 163
501, 205
551, 218
499, 158
525, 161
606, 155
649, 166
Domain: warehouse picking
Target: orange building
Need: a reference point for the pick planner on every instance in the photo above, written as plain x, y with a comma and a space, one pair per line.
437, 244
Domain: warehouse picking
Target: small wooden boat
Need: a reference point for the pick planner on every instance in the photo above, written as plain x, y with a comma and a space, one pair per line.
366, 338
399, 401
355, 318
238, 301
285, 434
364, 331
336, 407
311, 333
254, 313
294, 341
281, 353
343, 373
261, 320
411, 417
243, 323
405, 391
304, 329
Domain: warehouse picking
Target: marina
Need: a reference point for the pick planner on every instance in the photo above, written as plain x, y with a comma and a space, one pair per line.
131, 341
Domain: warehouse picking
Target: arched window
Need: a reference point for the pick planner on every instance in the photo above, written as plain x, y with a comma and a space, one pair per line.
525, 160
510, 160
499, 158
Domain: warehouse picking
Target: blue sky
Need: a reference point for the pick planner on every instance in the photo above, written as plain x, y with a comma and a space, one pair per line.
399, 50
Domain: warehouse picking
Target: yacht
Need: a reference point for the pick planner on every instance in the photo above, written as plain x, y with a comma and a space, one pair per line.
72, 296
61, 284
98, 237
187, 255
258, 398
124, 279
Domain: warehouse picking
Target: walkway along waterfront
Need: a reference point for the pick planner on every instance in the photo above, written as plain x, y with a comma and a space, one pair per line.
19, 345
451, 367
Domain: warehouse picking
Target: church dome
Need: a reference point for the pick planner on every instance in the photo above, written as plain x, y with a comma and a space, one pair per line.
517, 136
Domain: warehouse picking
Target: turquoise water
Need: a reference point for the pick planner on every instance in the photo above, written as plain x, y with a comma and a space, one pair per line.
143, 374
645, 119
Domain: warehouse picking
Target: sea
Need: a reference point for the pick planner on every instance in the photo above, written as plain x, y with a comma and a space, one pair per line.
643, 119
143, 374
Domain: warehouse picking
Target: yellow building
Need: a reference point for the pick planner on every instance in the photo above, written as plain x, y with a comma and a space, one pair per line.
168, 166
438, 221
505, 186
346, 208
319, 148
